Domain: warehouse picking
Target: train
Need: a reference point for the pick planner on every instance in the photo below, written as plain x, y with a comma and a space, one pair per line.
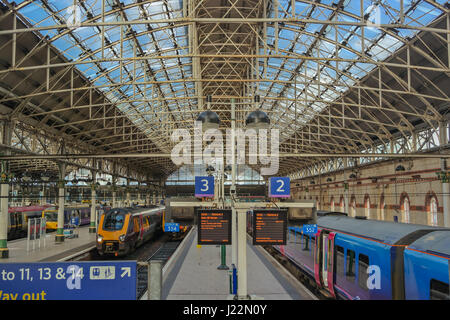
19, 216
361, 259
122, 230
83, 212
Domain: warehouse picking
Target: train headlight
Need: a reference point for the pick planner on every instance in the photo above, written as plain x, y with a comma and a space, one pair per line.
99, 238
122, 238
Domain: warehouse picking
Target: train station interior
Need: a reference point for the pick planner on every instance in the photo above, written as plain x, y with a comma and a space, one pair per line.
205, 139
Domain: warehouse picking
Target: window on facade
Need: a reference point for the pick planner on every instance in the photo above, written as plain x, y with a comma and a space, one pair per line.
367, 208
439, 290
433, 212
406, 210
363, 264
350, 273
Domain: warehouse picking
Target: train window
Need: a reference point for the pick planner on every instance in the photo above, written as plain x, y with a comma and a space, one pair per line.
363, 264
114, 221
340, 260
439, 290
313, 244
350, 274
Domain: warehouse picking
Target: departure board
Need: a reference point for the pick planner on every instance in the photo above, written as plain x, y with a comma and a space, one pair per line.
269, 227
214, 226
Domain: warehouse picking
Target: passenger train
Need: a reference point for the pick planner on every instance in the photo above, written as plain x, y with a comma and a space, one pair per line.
121, 230
83, 212
18, 219
353, 259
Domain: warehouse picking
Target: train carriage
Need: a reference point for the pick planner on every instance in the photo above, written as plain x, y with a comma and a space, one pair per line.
352, 258
19, 216
121, 230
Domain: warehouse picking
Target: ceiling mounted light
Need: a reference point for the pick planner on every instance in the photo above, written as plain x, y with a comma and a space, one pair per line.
209, 119
45, 176
257, 120
26, 177
210, 170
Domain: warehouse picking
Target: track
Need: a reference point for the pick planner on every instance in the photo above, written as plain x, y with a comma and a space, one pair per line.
162, 254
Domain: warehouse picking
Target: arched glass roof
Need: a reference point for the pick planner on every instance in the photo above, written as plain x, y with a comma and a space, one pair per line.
333, 75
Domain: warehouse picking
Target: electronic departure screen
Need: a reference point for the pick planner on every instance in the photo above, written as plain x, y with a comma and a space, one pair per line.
269, 226
214, 226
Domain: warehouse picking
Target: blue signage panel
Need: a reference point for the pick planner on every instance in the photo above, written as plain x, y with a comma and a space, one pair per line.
73, 280
309, 229
171, 227
204, 186
279, 187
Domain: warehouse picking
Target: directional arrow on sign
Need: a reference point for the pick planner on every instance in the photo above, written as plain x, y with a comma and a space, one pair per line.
125, 271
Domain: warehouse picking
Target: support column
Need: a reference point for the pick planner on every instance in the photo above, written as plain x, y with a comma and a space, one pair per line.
93, 225
242, 254
59, 237
443, 140
128, 201
445, 194
4, 190
346, 186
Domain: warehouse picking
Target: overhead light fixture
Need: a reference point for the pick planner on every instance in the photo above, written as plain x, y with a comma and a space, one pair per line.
228, 169
208, 118
210, 170
257, 119
45, 176
26, 177
400, 168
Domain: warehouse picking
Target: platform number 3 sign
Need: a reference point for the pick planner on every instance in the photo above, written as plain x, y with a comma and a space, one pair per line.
279, 187
204, 186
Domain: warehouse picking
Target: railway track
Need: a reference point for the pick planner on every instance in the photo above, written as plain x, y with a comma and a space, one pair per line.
162, 254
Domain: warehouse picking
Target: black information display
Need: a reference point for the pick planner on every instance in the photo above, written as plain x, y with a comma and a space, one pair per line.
214, 226
269, 226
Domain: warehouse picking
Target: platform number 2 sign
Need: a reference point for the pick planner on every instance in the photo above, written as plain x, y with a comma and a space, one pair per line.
280, 187
204, 186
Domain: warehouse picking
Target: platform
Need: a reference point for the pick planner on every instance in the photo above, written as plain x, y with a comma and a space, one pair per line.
193, 275
52, 251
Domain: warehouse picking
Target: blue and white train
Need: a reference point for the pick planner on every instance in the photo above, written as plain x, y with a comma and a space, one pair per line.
355, 259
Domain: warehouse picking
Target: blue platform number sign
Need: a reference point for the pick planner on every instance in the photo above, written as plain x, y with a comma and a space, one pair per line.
309, 229
171, 227
74, 280
280, 187
204, 186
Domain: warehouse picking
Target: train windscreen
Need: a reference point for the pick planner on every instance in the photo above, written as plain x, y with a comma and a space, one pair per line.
51, 216
114, 221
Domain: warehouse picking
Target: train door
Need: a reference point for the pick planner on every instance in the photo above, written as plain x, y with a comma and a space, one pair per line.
317, 257
141, 224
324, 262
331, 263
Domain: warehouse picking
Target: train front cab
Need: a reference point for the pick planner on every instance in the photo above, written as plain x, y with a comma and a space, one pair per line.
341, 265
113, 236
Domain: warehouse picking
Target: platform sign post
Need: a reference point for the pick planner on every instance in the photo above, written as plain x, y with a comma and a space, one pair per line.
204, 187
279, 187
80, 280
